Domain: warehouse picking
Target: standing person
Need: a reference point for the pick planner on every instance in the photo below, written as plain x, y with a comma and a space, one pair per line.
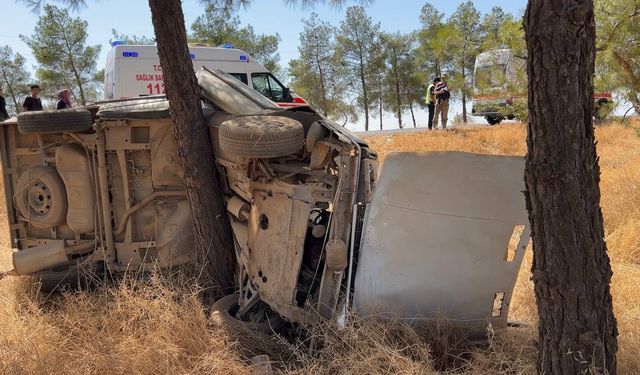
64, 99
3, 107
430, 98
442, 102
33, 102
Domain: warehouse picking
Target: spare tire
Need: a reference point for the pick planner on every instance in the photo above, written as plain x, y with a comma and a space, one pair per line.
41, 197
261, 137
49, 122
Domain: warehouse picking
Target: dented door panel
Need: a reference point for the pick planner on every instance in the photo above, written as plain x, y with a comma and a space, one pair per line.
436, 238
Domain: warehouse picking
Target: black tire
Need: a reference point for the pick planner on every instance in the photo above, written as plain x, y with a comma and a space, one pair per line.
60, 280
50, 122
69, 278
601, 109
494, 120
224, 310
41, 197
261, 137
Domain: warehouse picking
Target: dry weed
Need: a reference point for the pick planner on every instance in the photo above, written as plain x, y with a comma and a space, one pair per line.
161, 325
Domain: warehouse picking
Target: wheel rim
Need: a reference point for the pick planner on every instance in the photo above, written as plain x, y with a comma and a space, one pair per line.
39, 197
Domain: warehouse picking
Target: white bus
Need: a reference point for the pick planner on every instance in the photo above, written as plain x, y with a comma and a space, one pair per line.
134, 70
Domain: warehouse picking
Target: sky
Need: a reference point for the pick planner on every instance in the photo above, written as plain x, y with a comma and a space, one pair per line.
132, 17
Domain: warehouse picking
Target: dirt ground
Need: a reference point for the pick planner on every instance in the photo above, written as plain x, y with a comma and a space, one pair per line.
160, 326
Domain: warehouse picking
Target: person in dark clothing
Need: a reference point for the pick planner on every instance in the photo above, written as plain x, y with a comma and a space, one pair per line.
3, 107
33, 102
430, 99
442, 102
64, 99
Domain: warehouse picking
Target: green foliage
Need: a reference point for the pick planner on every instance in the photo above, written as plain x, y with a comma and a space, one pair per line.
402, 83
318, 75
14, 79
65, 61
429, 53
358, 49
219, 25
618, 46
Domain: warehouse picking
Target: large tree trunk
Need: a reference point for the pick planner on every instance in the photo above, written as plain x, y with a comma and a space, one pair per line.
211, 227
571, 269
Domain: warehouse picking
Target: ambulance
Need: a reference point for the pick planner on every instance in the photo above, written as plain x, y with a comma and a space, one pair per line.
134, 70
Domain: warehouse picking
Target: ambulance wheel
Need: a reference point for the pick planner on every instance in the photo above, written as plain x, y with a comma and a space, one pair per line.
51, 122
494, 120
261, 137
41, 197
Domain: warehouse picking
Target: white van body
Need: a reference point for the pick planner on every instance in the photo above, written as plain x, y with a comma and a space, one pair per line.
499, 85
134, 70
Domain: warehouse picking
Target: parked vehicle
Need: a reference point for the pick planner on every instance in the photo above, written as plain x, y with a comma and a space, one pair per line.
318, 228
134, 70
500, 89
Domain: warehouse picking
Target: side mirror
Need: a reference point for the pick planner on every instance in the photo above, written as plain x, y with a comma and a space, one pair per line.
286, 95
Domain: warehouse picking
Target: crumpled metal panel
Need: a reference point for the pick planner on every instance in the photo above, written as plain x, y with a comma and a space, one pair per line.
436, 236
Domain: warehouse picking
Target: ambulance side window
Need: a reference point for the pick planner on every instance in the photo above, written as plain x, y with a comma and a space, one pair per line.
269, 86
242, 77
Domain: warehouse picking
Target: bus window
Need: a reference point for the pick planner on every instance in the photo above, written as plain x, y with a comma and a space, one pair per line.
490, 78
269, 86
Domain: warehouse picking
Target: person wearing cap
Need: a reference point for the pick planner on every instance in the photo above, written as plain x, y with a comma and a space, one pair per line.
442, 102
33, 102
64, 99
3, 107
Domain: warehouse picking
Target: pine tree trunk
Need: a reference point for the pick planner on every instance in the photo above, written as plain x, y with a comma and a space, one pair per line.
365, 97
380, 100
464, 96
571, 268
211, 227
413, 116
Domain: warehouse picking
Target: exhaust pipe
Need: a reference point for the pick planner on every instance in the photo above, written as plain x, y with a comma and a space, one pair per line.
39, 258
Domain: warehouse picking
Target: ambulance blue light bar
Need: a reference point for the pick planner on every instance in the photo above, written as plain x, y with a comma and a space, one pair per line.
117, 43
227, 45
129, 54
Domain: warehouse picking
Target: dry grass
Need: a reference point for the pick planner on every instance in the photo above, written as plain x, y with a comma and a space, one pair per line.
161, 326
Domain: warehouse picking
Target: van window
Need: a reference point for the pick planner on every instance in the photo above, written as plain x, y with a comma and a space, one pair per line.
242, 77
269, 86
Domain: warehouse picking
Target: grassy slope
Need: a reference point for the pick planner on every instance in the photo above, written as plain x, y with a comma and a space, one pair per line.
162, 327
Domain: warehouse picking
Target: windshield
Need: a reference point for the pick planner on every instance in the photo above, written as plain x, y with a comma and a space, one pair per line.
490, 78
231, 95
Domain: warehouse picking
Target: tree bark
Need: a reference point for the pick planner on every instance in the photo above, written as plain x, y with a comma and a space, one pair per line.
413, 116
464, 97
365, 97
211, 227
571, 268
